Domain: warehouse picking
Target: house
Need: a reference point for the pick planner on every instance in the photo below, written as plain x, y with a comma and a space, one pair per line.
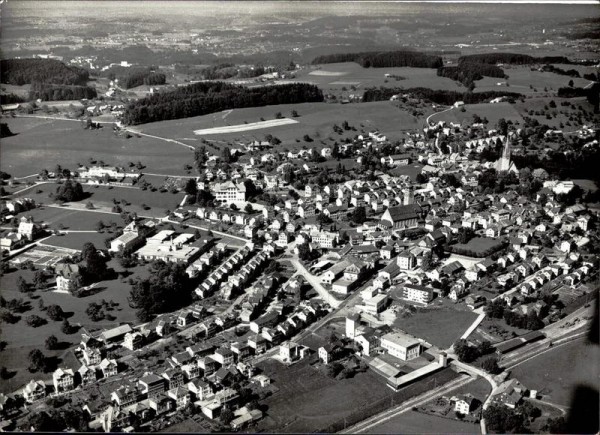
67, 277
229, 192
152, 385
181, 396
125, 396
133, 340
85, 375
291, 351
328, 353
401, 346
417, 293
200, 389
368, 341
406, 260
63, 380
464, 404
224, 356
34, 390
108, 367
185, 318
173, 377
28, 229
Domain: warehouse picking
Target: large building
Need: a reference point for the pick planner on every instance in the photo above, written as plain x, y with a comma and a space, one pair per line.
417, 293
504, 163
401, 217
401, 346
229, 192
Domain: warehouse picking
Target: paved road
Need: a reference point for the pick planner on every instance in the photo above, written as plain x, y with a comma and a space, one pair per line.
376, 420
437, 113
315, 283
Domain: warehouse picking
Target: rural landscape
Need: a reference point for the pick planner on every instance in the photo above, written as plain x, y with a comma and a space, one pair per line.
299, 217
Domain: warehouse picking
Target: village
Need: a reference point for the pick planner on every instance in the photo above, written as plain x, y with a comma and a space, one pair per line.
293, 264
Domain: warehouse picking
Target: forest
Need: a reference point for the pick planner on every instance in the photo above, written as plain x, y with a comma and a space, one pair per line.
51, 92
436, 95
23, 71
467, 72
385, 59
511, 58
592, 94
203, 98
143, 77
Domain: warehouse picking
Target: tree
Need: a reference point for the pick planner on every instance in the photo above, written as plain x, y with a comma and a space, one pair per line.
295, 114
248, 209
502, 126
359, 215
95, 265
500, 419
226, 416
35, 321
55, 312
66, 327
464, 235
427, 263
490, 365
39, 279
191, 187
465, 352
37, 361
52, 342
22, 285
529, 411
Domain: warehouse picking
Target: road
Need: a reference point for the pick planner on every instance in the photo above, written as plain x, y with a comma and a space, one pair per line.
437, 113
314, 282
376, 420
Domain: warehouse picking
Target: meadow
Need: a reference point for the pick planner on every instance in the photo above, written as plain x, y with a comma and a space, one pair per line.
42, 143
416, 422
315, 120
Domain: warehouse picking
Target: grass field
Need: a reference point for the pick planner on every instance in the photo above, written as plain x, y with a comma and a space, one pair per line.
493, 112
521, 77
541, 106
316, 120
416, 422
77, 240
440, 327
556, 374
478, 246
21, 339
335, 76
308, 400
40, 143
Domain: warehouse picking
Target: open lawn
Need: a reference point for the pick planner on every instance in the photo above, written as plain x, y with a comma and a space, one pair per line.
556, 373
69, 219
416, 422
315, 120
439, 326
21, 338
308, 400
43, 143
77, 240
479, 388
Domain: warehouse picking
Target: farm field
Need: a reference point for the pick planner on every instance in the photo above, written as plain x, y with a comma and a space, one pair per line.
416, 422
21, 338
493, 112
556, 373
42, 143
521, 77
335, 76
439, 326
316, 120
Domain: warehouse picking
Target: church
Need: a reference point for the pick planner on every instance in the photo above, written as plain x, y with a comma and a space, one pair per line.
504, 163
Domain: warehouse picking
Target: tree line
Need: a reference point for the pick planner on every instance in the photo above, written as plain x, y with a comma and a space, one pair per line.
384, 59
438, 96
203, 98
511, 58
592, 94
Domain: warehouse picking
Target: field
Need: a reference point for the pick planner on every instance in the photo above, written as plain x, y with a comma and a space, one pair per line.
21, 338
102, 197
315, 120
416, 422
541, 106
520, 78
335, 76
439, 326
556, 373
41, 143
493, 112
308, 400
246, 127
